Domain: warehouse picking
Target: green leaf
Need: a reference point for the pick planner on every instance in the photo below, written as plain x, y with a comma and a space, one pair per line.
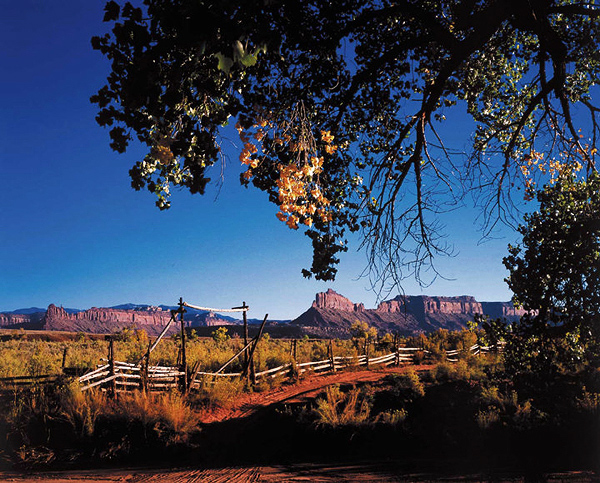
225, 63
248, 60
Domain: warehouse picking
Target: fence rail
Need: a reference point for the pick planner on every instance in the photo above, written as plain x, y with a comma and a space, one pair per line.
123, 376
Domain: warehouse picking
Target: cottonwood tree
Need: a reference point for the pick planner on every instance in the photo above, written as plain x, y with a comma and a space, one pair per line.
555, 273
339, 106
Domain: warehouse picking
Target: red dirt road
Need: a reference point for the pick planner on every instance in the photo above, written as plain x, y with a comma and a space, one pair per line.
306, 473
305, 389
268, 474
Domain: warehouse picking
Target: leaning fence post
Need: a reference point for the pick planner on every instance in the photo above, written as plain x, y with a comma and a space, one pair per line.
397, 347
249, 371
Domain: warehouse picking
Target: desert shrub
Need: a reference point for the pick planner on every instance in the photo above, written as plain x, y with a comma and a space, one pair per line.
441, 372
527, 416
419, 357
167, 415
592, 379
218, 393
338, 408
42, 360
589, 402
399, 393
459, 371
85, 354
12, 362
392, 417
408, 383
487, 418
490, 396
271, 353
313, 351
165, 353
468, 370
61, 423
82, 409
463, 340
21, 357
386, 343
436, 344
220, 335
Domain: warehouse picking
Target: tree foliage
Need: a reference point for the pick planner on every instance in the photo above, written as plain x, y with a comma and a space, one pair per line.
339, 106
556, 271
362, 330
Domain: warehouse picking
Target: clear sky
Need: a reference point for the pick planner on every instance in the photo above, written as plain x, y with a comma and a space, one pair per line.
74, 233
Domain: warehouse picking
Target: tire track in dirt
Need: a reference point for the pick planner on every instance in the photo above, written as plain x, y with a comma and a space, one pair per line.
308, 388
220, 475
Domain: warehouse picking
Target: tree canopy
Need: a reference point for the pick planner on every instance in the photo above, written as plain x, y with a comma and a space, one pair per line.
556, 273
339, 106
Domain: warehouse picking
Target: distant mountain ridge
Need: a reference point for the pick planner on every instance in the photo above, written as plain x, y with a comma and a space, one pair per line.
332, 314
109, 320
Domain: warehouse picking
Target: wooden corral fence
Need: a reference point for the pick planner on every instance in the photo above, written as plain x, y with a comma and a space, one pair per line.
13, 383
125, 376
158, 378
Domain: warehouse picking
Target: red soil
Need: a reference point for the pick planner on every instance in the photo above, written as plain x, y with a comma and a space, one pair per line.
305, 389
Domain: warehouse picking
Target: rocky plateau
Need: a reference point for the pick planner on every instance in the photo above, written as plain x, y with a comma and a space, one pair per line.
331, 315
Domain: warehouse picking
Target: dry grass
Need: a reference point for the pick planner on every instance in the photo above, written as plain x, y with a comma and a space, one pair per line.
339, 408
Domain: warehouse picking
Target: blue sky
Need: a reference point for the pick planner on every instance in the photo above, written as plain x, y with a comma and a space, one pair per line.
74, 233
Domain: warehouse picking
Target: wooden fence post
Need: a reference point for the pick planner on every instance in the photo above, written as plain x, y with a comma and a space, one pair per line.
183, 368
144, 375
64, 359
294, 351
252, 370
112, 392
194, 373
245, 319
249, 370
367, 351
397, 347
331, 356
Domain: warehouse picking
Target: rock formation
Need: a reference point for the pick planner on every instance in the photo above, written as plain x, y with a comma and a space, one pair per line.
108, 320
104, 321
20, 320
332, 314
335, 301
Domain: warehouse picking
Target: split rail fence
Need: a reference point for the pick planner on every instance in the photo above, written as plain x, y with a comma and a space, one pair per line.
121, 376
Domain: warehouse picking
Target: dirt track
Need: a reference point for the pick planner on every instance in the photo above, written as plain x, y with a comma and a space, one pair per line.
299, 473
362, 473
305, 389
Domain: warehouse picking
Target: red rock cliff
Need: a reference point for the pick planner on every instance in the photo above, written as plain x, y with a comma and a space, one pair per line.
334, 301
464, 304
104, 320
431, 305
12, 319
392, 306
